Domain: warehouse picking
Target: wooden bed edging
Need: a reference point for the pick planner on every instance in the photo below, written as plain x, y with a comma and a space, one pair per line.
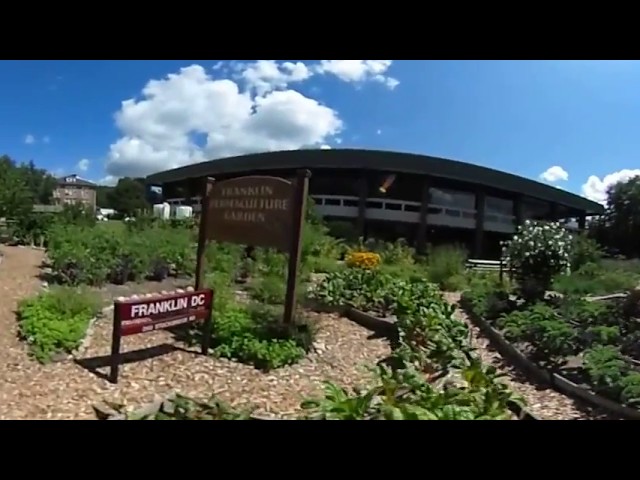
382, 326
557, 382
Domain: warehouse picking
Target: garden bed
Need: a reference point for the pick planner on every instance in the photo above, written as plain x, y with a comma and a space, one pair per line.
157, 364
592, 357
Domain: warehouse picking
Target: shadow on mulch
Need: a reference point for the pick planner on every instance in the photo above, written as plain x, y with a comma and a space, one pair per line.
93, 364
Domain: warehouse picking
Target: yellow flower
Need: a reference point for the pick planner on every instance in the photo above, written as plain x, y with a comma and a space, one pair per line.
366, 260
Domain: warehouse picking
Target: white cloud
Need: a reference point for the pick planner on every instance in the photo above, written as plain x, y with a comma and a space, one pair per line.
108, 181
595, 188
267, 75
359, 71
378, 132
555, 174
29, 139
190, 116
83, 165
46, 139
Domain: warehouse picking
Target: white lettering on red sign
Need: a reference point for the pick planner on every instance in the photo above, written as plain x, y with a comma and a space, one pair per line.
161, 306
198, 300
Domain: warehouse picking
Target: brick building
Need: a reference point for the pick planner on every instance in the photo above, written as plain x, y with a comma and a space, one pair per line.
73, 190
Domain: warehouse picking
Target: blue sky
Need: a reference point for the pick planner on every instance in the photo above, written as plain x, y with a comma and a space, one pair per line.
520, 116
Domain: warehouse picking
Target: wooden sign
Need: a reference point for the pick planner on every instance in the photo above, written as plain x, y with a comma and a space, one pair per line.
253, 211
257, 211
158, 311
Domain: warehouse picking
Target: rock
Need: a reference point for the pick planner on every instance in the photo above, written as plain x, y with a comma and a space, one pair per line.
104, 411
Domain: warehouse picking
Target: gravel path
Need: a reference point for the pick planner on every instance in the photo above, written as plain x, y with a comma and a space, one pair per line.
67, 390
542, 401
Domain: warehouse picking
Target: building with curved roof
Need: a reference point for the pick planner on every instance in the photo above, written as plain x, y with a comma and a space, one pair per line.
389, 194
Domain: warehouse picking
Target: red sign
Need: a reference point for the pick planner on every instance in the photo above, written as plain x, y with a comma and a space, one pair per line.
141, 315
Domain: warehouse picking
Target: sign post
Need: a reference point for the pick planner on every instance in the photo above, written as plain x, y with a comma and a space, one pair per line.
297, 225
156, 312
201, 255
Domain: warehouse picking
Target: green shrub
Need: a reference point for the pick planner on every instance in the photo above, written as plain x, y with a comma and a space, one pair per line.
56, 321
270, 290
606, 369
584, 250
593, 280
92, 256
550, 337
258, 337
537, 253
444, 262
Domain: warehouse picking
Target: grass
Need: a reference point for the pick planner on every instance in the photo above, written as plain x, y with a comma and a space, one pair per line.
112, 225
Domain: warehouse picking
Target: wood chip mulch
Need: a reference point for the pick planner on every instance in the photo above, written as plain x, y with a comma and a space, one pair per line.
69, 389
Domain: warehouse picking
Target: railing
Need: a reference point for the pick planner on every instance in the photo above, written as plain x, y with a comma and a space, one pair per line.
397, 211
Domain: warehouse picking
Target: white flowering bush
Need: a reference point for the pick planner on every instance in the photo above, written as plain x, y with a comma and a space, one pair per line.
538, 252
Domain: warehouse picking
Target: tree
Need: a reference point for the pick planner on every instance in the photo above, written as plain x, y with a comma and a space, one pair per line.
128, 196
39, 182
619, 227
103, 197
15, 197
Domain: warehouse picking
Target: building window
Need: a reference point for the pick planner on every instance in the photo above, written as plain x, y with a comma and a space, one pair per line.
499, 206
535, 209
70, 179
452, 198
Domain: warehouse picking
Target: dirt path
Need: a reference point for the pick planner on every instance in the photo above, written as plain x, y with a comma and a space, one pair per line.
19, 271
542, 401
67, 390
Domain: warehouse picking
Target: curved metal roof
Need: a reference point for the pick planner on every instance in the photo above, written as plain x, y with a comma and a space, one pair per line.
380, 160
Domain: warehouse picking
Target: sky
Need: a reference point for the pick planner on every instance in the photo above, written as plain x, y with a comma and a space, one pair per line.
572, 124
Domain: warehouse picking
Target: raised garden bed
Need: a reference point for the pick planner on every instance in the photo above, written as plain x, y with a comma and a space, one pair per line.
387, 326
520, 356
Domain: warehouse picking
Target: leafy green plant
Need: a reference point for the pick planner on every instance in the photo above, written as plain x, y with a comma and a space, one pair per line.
550, 338
603, 335
487, 298
83, 255
258, 337
593, 280
584, 250
56, 321
630, 393
270, 290
606, 368
445, 265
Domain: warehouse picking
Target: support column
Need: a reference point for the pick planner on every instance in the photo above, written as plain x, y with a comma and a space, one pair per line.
362, 206
518, 210
421, 238
553, 212
190, 192
479, 234
582, 222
